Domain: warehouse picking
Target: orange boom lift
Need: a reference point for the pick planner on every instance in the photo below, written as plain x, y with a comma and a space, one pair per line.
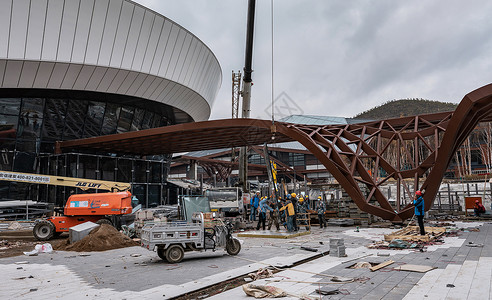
79, 208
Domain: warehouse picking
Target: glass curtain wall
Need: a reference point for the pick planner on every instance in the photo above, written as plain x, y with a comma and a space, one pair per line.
30, 126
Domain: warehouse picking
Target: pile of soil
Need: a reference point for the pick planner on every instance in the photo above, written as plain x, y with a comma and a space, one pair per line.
102, 238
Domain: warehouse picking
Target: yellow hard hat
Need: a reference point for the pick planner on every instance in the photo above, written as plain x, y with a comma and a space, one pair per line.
319, 197
301, 199
293, 195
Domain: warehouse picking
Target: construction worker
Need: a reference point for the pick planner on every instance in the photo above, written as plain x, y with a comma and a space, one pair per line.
274, 216
478, 208
418, 202
263, 213
255, 202
294, 200
301, 213
321, 212
289, 208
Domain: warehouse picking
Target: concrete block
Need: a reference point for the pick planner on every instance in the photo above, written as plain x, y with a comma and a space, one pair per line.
78, 232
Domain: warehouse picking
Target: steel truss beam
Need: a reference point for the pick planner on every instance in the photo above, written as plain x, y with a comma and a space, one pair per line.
414, 151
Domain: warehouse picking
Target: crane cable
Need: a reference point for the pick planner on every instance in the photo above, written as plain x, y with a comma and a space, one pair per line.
273, 107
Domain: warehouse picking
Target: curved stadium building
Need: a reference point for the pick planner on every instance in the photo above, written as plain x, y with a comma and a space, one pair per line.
73, 69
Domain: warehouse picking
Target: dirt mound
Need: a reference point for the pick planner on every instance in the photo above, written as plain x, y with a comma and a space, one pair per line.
102, 238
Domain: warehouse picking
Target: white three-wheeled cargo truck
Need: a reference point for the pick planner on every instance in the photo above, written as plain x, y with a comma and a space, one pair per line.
172, 240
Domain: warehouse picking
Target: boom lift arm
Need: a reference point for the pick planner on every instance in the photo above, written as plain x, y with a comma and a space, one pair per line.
81, 183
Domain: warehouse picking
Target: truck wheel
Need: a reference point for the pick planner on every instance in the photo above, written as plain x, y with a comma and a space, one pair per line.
174, 254
104, 221
43, 230
233, 246
161, 253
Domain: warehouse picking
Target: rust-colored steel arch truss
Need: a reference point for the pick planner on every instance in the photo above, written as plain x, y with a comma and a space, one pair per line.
414, 151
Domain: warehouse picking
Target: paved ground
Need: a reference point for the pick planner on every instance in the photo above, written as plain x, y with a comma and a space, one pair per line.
135, 272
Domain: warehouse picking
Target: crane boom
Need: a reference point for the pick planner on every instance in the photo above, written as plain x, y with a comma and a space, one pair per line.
81, 183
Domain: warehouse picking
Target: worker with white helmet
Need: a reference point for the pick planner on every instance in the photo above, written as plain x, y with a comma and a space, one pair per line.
321, 208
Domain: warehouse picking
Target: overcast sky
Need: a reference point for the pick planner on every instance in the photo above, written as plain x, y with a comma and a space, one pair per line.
339, 57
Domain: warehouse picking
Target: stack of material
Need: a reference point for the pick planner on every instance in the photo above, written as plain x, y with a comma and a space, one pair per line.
209, 221
412, 233
337, 248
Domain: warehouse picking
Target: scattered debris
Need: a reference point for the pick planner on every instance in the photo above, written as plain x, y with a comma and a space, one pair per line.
383, 254
381, 265
415, 268
309, 249
263, 291
135, 255
397, 243
15, 226
362, 265
102, 238
450, 285
40, 248
471, 244
327, 291
261, 273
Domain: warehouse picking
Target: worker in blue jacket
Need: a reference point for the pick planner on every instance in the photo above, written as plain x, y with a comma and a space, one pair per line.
263, 213
255, 202
418, 202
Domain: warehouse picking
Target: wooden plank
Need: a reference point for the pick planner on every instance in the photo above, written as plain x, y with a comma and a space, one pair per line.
381, 265
415, 268
412, 233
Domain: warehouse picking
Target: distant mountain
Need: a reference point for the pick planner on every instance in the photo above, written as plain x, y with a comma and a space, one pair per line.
404, 108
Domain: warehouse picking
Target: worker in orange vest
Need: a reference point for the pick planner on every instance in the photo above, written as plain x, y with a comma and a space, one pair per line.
290, 215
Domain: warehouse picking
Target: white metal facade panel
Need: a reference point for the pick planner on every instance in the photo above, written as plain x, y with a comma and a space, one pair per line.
153, 86
6, 6
67, 31
126, 84
132, 39
37, 15
137, 82
166, 58
18, 29
188, 60
3, 64
178, 46
152, 45
161, 47
113, 46
43, 75
149, 79
96, 32
96, 78
82, 31
112, 20
84, 77
52, 29
57, 76
143, 40
117, 81
12, 73
71, 76
29, 70
107, 79
122, 30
